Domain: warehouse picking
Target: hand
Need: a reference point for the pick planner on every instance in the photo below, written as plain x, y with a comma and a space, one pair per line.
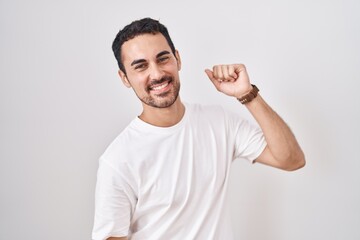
231, 80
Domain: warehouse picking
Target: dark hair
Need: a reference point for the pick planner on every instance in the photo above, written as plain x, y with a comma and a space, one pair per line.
136, 28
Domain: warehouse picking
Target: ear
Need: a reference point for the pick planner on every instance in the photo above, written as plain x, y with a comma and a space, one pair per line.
177, 55
124, 78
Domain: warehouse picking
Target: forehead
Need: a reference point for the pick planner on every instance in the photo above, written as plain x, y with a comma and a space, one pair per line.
144, 46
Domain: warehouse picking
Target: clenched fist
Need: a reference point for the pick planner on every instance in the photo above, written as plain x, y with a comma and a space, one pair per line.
231, 79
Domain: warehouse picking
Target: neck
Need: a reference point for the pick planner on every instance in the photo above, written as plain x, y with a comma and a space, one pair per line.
163, 117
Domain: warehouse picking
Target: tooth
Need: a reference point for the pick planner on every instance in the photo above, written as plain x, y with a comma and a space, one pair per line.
161, 86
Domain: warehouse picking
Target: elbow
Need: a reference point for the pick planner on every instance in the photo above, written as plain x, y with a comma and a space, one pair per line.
296, 162
296, 166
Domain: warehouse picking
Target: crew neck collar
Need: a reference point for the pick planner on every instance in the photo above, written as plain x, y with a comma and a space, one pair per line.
147, 127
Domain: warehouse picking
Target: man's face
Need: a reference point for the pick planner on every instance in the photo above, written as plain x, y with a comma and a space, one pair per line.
151, 70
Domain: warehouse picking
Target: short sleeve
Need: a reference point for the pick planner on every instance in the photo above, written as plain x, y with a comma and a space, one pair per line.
114, 203
249, 140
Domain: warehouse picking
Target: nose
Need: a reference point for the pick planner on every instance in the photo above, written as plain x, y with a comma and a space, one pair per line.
156, 72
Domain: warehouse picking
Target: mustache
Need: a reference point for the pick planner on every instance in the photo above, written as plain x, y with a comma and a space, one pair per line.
159, 81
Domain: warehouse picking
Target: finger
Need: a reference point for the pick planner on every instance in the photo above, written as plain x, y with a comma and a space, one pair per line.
225, 72
232, 72
229, 73
241, 71
239, 68
218, 74
211, 76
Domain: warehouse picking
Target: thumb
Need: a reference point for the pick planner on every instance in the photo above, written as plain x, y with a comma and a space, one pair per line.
210, 75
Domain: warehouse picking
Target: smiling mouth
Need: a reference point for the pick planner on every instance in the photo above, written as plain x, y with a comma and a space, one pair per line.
161, 86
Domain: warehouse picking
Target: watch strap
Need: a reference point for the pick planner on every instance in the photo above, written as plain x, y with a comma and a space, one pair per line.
250, 96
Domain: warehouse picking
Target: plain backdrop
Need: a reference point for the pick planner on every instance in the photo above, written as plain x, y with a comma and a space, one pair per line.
62, 103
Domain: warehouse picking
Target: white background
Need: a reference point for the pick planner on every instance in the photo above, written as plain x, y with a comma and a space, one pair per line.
62, 103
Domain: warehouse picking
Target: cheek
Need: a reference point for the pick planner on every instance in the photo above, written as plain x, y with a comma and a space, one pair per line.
173, 69
137, 79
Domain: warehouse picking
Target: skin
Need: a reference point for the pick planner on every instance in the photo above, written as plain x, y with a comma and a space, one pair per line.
162, 108
148, 59
282, 151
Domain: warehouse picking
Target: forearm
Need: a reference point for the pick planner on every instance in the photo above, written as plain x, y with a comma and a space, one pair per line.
282, 150
281, 141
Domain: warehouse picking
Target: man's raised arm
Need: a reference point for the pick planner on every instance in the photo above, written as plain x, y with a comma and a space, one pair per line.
282, 150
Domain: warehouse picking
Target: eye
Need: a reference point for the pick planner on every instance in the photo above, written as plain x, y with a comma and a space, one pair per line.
163, 59
140, 66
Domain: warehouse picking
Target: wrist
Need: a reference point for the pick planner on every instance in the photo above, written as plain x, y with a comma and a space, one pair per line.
249, 96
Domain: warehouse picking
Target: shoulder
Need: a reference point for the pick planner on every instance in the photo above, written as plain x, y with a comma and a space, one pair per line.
121, 145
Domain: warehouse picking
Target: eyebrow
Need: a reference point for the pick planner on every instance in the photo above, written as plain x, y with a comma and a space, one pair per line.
137, 61
162, 53
143, 60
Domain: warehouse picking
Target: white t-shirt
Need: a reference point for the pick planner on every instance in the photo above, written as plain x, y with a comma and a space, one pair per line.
170, 183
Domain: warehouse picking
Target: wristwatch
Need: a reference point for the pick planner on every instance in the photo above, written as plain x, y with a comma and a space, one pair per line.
250, 96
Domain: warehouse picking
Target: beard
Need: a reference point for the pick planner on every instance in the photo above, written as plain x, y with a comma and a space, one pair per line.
162, 100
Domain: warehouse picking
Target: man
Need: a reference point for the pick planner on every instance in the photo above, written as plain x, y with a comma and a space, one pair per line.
165, 176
